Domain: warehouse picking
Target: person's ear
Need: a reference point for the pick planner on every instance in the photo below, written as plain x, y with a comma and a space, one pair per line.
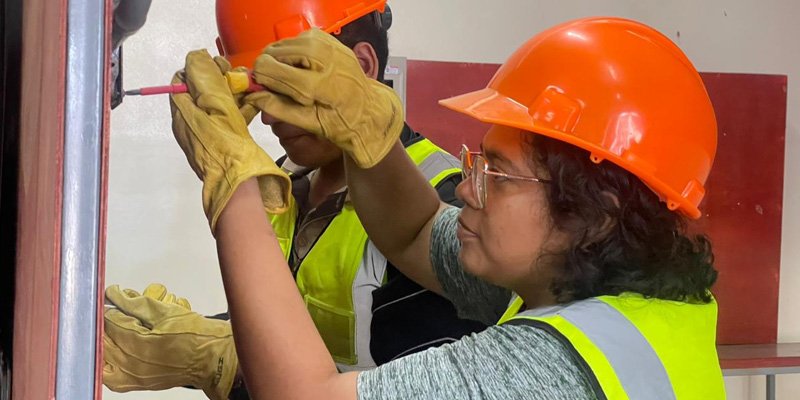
367, 58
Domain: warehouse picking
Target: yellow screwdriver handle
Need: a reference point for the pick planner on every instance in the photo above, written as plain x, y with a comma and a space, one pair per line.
238, 81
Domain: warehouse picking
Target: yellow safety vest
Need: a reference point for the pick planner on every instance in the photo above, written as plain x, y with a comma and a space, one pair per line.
330, 273
637, 348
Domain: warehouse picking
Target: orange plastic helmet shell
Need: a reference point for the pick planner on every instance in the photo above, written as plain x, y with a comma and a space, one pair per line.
245, 27
616, 88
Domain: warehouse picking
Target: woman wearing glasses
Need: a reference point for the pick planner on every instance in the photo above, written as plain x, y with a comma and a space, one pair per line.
571, 239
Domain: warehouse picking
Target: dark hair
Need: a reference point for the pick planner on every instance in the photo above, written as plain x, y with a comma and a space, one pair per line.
370, 29
623, 238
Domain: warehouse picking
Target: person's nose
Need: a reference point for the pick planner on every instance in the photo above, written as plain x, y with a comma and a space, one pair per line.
465, 191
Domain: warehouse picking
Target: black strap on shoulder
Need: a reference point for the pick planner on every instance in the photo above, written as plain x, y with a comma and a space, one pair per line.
408, 136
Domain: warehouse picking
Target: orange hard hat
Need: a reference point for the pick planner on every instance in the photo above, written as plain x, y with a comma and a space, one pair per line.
616, 88
245, 27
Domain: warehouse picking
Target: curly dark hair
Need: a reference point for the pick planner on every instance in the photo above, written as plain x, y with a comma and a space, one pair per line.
624, 239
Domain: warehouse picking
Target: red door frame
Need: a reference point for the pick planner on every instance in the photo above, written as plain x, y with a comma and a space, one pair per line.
41, 223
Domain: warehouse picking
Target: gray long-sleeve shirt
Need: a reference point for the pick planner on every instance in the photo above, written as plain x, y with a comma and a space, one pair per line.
502, 362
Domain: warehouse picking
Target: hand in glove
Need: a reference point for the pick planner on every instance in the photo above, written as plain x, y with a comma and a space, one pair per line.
150, 344
316, 83
240, 81
159, 292
213, 134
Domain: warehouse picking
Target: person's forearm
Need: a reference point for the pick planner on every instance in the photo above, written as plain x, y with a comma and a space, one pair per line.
397, 206
280, 351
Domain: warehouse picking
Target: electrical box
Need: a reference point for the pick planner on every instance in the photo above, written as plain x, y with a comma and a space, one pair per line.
395, 77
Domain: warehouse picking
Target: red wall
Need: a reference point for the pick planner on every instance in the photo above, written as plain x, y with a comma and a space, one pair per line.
744, 203
745, 189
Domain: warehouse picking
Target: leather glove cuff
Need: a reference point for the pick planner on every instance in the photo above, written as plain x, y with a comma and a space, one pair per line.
224, 372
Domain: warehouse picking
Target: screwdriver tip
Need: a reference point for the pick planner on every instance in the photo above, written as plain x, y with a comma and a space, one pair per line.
135, 92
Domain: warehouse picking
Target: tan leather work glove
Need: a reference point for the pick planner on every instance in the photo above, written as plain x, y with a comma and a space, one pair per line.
316, 83
249, 111
153, 345
159, 292
213, 134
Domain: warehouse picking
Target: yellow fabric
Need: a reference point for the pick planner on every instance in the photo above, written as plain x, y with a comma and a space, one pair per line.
421, 150
153, 345
595, 358
511, 311
684, 337
316, 83
212, 132
325, 280
283, 225
325, 277
591, 354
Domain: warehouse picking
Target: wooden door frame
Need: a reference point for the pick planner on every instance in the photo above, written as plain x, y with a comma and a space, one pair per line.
62, 197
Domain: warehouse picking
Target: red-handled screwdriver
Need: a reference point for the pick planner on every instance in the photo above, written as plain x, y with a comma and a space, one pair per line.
239, 82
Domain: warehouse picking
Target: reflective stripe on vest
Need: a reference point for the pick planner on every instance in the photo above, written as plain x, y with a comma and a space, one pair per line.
339, 273
638, 348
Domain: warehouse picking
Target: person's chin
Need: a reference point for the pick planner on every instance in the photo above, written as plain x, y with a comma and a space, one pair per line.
297, 149
302, 159
470, 261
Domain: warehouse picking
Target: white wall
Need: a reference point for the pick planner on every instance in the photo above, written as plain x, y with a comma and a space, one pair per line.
156, 229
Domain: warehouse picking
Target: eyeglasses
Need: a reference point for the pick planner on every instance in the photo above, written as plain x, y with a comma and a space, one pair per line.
474, 166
